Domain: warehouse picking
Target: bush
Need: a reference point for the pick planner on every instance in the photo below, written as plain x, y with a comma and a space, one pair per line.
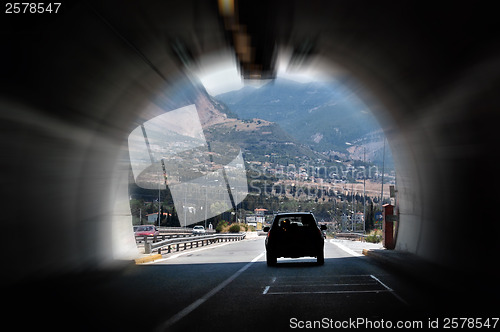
234, 228
221, 226
375, 236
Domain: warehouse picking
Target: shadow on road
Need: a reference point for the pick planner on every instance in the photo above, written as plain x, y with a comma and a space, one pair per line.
141, 297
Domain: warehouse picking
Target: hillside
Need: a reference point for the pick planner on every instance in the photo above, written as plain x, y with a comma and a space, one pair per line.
323, 116
256, 137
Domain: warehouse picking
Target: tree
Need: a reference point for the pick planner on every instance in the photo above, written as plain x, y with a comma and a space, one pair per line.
370, 216
174, 218
218, 207
168, 218
137, 210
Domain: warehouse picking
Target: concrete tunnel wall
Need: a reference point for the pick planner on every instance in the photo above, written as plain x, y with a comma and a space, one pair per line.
65, 126
64, 145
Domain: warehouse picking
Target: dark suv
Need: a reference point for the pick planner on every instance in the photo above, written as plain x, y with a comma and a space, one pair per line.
294, 235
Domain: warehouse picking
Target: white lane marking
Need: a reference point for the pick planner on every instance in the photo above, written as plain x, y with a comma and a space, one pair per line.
329, 285
330, 292
347, 250
376, 281
187, 310
267, 287
387, 287
390, 290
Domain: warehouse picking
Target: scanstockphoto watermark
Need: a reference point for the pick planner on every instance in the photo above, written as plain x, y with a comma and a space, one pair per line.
355, 323
367, 323
309, 190
305, 171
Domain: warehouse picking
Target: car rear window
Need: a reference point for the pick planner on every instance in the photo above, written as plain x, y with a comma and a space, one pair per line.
295, 221
144, 229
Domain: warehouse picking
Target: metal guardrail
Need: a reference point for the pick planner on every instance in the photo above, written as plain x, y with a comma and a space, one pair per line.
163, 229
349, 236
176, 243
165, 236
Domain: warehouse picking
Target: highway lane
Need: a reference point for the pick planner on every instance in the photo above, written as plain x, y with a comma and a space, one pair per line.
223, 287
256, 296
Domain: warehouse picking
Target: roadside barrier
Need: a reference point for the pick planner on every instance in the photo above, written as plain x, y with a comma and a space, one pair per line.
193, 242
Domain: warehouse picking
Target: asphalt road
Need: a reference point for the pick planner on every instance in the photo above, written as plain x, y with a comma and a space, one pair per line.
229, 287
253, 296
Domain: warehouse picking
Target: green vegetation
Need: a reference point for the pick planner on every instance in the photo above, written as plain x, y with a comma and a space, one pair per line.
375, 236
225, 227
222, 227
140, 209
235, 228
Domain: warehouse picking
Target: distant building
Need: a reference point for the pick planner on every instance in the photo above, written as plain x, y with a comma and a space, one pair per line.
260, 212
253, 219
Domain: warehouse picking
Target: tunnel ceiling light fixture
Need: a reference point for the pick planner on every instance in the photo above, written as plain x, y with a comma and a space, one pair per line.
226, 8
255, 47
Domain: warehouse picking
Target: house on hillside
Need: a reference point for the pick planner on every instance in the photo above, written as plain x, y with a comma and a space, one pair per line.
255, 220
260, 212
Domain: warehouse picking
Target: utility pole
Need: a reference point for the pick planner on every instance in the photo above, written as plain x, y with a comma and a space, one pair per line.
352, 207
159, 202
364, 191
185, 206
383, 171
206, 206
159, 190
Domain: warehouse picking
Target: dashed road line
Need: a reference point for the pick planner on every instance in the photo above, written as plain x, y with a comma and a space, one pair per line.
267, 287
390, 290
358, 287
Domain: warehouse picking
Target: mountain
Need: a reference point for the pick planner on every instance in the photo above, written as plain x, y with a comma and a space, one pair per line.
257, 138
227, 133
323, 116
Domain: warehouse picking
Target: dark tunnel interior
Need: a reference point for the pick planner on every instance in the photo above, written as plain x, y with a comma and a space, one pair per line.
75, 84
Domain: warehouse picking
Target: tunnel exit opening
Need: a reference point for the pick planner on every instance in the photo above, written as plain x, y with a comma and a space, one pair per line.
297, 143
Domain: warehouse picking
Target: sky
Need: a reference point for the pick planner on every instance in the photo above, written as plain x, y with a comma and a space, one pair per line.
219, 74
222, 80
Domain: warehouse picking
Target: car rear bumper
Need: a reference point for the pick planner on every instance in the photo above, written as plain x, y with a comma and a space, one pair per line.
295, 252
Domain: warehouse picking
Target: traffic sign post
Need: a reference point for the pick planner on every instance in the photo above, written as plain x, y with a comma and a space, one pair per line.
379, 217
